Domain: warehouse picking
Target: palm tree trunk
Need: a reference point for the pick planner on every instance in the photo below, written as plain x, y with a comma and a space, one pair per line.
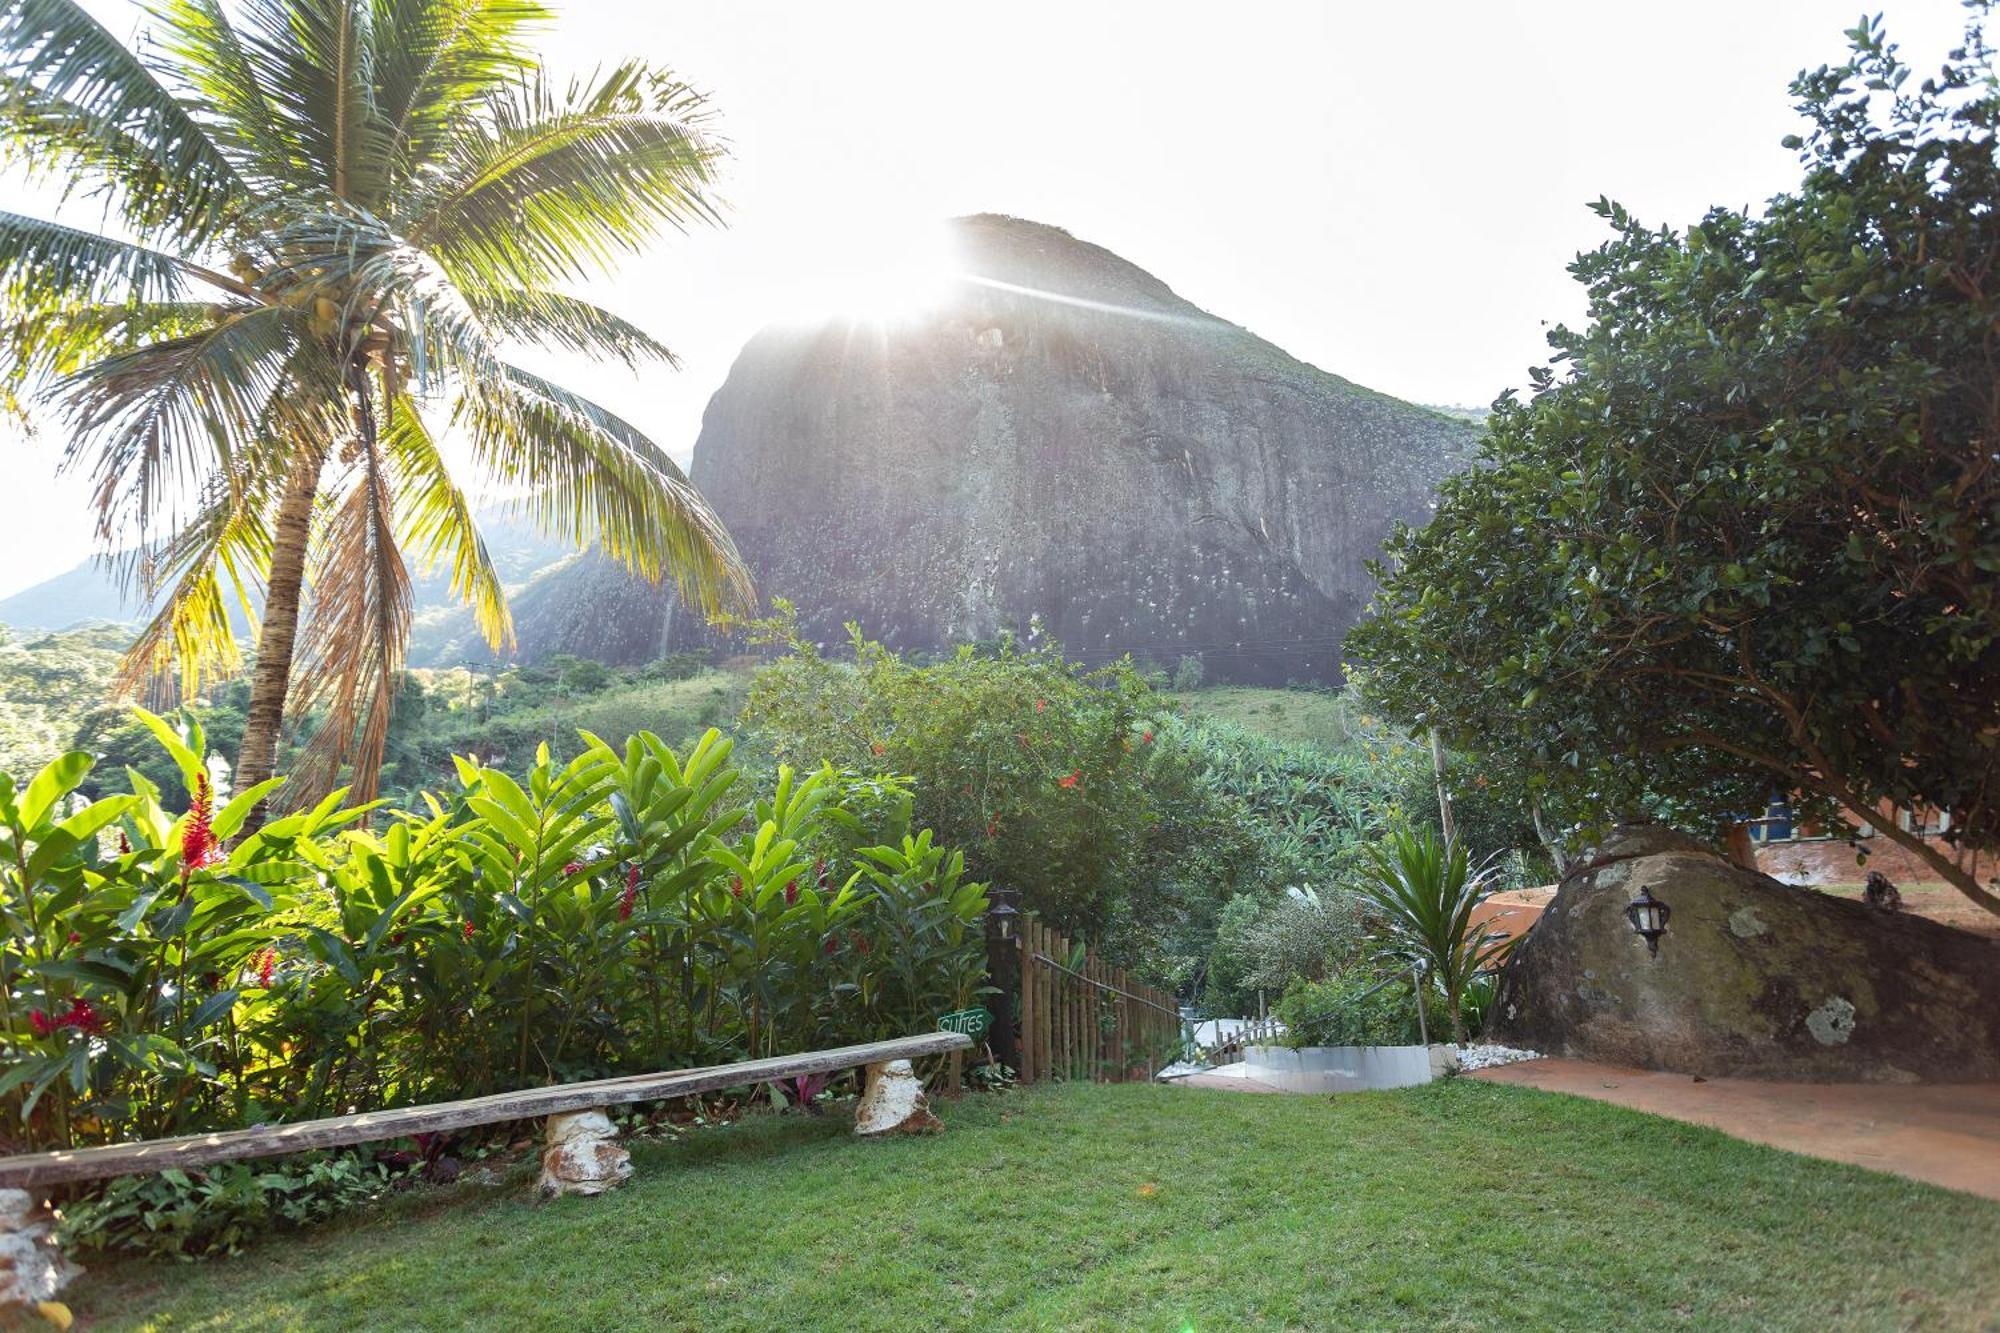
271, 679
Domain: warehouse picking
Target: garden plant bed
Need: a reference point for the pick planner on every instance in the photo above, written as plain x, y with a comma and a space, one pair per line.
1086, 1206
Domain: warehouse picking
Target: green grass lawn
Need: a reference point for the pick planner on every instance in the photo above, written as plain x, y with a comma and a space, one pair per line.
1315, 717
1461, 1205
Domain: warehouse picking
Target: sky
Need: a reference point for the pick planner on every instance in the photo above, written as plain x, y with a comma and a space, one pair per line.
1390, 192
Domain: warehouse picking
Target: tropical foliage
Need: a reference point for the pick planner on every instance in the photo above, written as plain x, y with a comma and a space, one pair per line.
325, 223
1423, 890
1745, 535
632, 909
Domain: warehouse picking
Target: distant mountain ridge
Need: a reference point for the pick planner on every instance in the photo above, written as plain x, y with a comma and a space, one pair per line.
443, 632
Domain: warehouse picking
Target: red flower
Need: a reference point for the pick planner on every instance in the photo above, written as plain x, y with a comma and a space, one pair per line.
74, 937
859, 943
572, 868
266, 963
1041, 704
468, 930
832, 943
1070, 779
124, 845
992, 827
819, 872
80, 1016
736, 887
198, 838
631, 892
879, 748
1146, 737
791, 892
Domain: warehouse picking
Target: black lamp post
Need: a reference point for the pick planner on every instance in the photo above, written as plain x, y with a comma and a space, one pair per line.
1648, 916
1003, 971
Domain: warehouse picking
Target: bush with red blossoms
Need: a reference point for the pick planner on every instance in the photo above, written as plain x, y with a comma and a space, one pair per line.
464, 947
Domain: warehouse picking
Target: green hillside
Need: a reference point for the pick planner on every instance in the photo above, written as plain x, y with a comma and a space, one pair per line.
1317, 717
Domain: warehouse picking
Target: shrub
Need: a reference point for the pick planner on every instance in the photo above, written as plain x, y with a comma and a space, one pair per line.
1188, 674
628, 910
216, 1210
1425, 890
1034, 766
1358, 1007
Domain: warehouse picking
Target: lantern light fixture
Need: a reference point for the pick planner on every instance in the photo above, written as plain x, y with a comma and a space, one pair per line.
1648, 916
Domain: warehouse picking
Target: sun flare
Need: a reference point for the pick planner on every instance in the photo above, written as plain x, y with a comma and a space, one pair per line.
880, 275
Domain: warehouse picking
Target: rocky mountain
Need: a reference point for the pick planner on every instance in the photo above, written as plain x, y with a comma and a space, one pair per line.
1065, 443
1062, 447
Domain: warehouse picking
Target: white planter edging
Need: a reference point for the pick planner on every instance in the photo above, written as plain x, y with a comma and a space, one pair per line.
1339, 1068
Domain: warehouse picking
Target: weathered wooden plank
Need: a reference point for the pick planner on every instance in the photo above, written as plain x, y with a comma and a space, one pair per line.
1034, 1017
121, 1159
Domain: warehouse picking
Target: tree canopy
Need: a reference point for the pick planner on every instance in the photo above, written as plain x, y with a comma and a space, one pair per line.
1744, 534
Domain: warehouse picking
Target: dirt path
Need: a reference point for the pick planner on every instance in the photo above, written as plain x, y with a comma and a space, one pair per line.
1947, 1134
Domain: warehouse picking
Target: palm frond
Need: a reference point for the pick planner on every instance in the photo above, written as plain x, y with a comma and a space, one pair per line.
437, 523
549, 185
157, 421
351, 652
589, 476
437, 61
74, 94
553, 320
49, 343
45, 265
193, 577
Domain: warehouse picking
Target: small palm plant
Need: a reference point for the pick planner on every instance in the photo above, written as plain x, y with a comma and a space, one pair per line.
327, 225
1426, 889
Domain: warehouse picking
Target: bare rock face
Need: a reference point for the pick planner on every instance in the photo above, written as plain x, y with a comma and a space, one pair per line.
1063, 446
1753, 978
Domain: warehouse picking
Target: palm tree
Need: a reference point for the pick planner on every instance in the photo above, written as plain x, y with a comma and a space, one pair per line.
326, 221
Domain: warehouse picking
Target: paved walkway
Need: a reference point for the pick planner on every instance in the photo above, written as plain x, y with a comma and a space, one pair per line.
1947, 1134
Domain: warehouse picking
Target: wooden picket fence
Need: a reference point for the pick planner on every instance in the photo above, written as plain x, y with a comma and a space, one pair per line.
1084, 1021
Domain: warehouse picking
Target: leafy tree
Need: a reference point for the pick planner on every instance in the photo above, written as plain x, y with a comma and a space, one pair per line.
324, 218
1745, 534
1034, 765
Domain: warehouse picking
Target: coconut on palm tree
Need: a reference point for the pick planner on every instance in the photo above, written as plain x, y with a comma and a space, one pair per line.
326, 225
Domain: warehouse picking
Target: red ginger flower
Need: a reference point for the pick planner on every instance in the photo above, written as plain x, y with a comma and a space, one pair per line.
631, 892
791, 892
81, 1016
267, 962
1069, 780
1041, 704
1146, 737
468, 930
572, 868
736, 887
124, 845
198, 838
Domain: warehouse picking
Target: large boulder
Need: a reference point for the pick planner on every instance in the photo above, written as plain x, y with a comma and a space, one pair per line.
1753, 977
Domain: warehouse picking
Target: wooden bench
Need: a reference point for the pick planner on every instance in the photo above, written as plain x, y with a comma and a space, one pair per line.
878, 1058
580, 1153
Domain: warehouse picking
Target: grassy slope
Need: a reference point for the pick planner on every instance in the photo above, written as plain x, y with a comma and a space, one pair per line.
1316, 716
677, 710
1462, 1205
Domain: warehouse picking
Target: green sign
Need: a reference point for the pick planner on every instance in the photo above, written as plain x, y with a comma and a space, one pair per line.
971, 1022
